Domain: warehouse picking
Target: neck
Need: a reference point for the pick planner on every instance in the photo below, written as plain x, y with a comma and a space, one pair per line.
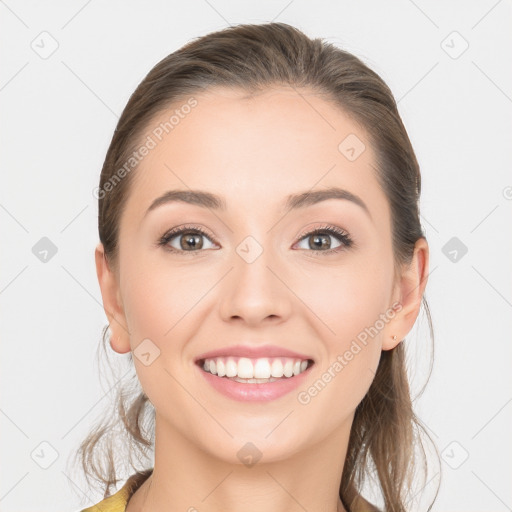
186, 477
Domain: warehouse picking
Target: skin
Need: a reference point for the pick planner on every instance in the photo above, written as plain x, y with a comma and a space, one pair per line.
254, 153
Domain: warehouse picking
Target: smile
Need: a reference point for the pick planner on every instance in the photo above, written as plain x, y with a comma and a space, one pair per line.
261, 379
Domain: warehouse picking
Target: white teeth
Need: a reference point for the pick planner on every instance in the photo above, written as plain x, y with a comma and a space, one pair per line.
277, 368
221, 371
262, 369
245, 368
231, 367
256, 370
288, 368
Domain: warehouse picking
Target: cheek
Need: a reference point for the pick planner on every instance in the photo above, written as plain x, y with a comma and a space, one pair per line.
349, 303
163, 302
161, 305
154, 292
346, 299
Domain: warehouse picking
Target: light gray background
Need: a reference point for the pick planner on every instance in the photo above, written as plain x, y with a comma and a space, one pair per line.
58, 116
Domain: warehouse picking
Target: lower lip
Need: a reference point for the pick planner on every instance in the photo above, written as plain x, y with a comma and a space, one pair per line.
264, 392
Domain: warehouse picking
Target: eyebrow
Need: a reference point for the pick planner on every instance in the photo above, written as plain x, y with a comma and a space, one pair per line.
293, 202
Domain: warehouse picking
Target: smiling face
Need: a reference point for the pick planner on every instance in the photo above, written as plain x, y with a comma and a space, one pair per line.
267, 268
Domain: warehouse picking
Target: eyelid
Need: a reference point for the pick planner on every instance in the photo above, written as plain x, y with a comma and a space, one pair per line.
188, 227
324, 226
179, 230
345, 239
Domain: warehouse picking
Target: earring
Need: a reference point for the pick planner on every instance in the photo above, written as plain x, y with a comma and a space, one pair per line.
394, 337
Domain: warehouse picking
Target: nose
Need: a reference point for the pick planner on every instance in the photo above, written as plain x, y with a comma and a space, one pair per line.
255, 292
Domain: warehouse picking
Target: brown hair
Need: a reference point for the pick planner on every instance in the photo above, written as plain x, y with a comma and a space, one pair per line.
252, 58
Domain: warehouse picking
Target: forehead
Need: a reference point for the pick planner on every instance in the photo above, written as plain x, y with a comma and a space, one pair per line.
255, 149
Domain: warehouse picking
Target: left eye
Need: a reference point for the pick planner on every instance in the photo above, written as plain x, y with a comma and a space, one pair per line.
187, 240
321, 240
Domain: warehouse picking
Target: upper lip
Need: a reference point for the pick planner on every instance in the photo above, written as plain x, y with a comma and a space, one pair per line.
252, 351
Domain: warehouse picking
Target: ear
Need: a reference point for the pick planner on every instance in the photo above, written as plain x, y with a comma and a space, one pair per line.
408, 293
112, 303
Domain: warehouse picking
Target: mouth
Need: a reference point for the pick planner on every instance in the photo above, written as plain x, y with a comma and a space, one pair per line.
262, 370
254, 380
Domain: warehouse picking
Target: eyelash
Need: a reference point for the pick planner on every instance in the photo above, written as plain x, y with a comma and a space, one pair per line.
341, 235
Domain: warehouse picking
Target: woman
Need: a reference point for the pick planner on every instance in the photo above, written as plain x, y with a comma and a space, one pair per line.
262, 257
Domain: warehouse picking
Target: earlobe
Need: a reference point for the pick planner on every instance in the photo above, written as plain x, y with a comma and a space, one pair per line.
409, 294
109, 286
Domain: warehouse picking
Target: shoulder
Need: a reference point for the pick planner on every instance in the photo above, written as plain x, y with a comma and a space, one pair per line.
117, 502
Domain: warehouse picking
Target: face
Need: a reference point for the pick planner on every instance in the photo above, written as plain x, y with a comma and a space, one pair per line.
268, 265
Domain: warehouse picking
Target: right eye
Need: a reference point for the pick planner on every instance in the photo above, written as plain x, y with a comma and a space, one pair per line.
185, 239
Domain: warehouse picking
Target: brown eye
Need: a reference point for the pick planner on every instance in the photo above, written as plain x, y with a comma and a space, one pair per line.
191, 241
320, 240
186, 240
